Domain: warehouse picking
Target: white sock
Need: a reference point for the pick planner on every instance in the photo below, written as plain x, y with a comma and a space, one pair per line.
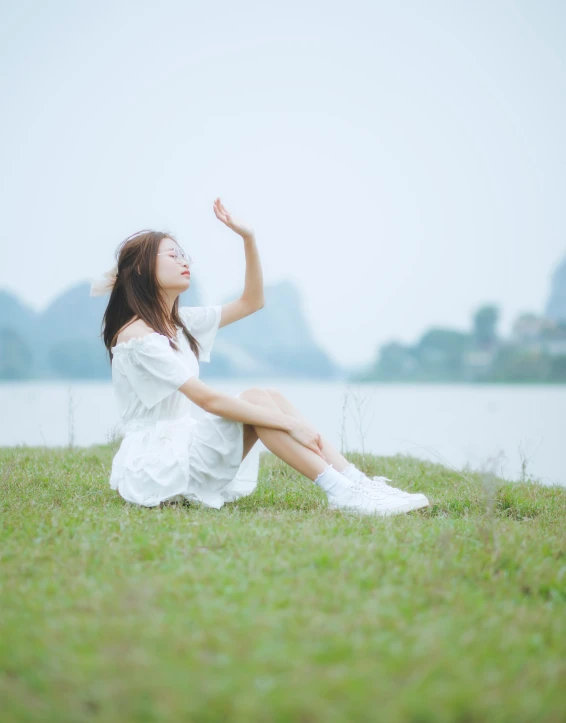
352, 473
330, 480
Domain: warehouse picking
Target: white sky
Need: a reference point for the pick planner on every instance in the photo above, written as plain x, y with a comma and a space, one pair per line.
402, 162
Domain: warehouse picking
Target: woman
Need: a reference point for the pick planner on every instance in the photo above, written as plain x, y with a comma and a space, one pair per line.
155, 348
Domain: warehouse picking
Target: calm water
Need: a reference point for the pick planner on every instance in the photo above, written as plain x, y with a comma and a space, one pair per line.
500, 428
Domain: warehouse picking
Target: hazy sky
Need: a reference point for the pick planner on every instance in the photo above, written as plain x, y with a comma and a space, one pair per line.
402, 162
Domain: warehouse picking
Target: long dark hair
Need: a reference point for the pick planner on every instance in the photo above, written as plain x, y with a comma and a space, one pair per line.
136, 292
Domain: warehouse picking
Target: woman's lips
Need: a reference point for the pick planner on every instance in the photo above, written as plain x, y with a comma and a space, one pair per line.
186, 273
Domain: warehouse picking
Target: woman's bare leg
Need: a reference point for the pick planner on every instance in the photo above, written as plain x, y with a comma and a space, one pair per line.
250, 438
328, 450
295, 454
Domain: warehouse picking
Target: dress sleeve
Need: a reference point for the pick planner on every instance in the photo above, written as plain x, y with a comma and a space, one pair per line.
153, 368
203, 323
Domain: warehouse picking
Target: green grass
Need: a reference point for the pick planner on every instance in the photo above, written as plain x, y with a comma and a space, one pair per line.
276, 608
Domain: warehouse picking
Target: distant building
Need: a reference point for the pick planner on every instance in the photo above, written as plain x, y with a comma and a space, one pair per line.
556, 305
477, 363
539, 334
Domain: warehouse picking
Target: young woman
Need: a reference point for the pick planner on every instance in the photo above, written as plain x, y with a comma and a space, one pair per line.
155, 347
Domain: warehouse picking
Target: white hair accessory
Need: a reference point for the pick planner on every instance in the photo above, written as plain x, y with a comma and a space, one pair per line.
104, 284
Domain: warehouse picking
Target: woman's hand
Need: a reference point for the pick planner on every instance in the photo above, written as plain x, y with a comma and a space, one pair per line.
237, 226
307, 436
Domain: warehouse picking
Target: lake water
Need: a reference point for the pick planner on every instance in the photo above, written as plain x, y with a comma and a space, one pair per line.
505, 428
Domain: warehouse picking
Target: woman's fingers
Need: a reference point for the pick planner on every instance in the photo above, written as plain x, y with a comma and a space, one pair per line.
219, 215
219, 205
317, 450
221, 212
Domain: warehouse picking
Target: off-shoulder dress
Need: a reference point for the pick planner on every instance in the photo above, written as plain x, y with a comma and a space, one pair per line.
166, 454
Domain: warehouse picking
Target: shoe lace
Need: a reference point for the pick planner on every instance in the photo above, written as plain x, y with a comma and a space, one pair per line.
381, 483
364, 487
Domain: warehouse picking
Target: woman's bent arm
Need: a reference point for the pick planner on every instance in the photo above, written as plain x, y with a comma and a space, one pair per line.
225, 405
242, 411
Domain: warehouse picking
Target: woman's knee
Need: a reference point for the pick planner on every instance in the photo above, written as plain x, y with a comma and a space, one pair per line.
257, 395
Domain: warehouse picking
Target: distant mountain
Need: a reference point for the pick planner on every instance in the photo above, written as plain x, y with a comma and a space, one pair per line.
64, 341
556, 305
18, 329
278, 337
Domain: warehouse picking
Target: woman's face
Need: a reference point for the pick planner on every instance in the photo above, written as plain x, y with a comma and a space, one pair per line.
172, 272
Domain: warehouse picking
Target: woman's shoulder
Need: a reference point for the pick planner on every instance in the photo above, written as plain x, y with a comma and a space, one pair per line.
133, 330
137, 334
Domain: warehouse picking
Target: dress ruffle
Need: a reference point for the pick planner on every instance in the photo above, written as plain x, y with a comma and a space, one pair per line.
153, 462
218, 473
152, 367
199, 460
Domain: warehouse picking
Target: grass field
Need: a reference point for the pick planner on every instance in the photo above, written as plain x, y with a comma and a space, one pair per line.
275, 608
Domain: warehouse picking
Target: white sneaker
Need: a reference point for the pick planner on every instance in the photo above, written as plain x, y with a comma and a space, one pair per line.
363, 498
380, 483
360, 497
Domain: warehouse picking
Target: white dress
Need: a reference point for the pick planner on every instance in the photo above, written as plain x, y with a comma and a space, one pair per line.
166, 453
